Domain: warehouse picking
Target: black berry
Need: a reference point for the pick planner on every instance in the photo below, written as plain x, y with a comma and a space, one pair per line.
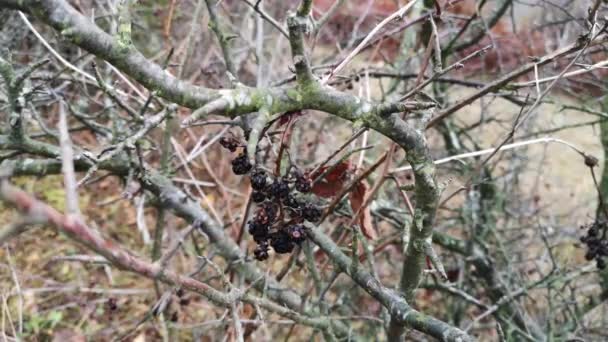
112, 305
303, 184
261, 252
592, 232
296, 233
271, 210
311, 213
279, 188
590, 160
258, 180
258, 196
258, 230
241, 164
265, 215
597, 244
281, 242
230, 144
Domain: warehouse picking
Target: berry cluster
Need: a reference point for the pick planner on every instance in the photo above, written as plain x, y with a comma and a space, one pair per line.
597, 243
281, 211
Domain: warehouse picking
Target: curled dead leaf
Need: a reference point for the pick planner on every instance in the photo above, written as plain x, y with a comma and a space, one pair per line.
357, 198
333, 182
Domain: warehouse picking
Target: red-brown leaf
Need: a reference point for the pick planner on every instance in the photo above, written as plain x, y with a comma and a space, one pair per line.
357, 199
333, 182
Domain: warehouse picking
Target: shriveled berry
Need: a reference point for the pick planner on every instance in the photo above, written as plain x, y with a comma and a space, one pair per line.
230, 144
271, 210
258, 196
241, 164
592, 231
281, 242
261, 252
112, 305
311, 213
600, 263
258, 180
590, 255
591, 161
593, 242
262, 217
296, 233
303, 183
258, 230
279, 188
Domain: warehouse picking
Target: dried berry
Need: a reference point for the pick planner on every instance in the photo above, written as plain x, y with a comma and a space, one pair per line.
303, 183
296, 233
230, 144
311, 213
603, 248
258, 196
592, 232
281, 242
597, 244
271, 210
279, 188
262, 217
258, 230
261, 252
241, 164
590, 160
258, 180
112, 305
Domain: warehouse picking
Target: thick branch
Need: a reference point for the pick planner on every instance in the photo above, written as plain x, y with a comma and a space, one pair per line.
81, 31
297, 28
308, 94
172, 198
73, 227
397, 306
84, 33
222, 36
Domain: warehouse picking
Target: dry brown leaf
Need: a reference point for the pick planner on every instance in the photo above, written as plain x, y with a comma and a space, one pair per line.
333, 182
357, 199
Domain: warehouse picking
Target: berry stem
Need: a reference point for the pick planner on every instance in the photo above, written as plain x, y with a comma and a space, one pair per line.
257, 130
285, 135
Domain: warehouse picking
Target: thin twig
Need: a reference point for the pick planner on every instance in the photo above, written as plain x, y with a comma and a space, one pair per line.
398, 14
